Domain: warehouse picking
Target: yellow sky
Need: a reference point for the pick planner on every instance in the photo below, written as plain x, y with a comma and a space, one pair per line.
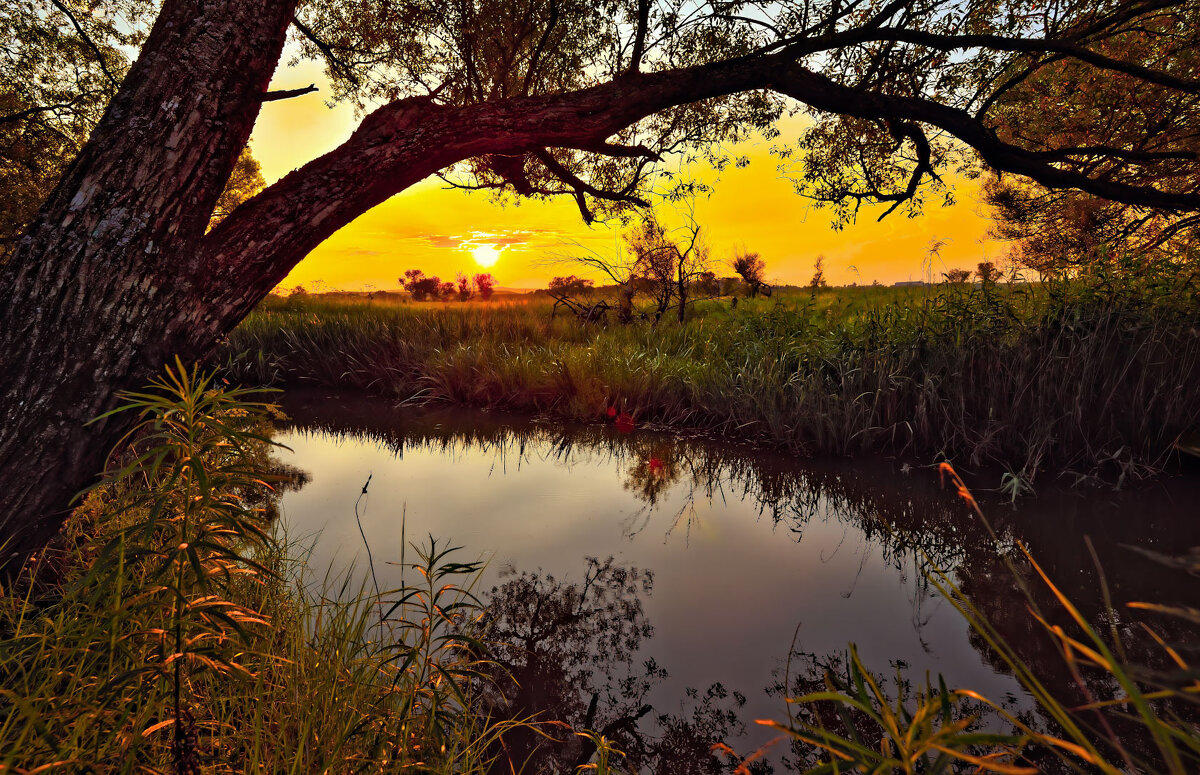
441, 231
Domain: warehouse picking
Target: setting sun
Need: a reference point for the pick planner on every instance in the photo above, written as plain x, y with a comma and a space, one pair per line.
485, 255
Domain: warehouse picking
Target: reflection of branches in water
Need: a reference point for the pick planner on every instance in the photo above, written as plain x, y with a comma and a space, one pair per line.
563, 652
912, 529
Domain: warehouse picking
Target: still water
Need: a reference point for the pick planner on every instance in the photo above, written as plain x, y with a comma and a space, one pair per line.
753, 555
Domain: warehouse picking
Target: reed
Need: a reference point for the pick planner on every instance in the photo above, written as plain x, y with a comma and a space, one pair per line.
173, 628
1094, 377
1137, 715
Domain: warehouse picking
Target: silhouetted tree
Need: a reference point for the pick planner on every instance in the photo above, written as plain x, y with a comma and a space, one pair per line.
570, 286
957, 275
485, 284
818, 279
420, 286
463, 286
750, 267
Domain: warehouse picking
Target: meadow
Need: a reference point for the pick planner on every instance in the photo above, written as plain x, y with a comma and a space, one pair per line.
1087, 379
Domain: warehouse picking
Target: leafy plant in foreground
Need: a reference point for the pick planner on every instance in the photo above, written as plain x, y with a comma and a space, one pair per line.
190, 488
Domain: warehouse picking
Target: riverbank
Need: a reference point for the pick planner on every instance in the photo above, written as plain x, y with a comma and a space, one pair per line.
175, 625
1095, 379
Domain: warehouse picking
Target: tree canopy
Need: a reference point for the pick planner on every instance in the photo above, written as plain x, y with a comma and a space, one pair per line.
898, 92
118, 270
61, 64
1108, 121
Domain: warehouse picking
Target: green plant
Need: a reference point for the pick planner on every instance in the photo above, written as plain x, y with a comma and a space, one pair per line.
1095, 375
174, 628
860, 728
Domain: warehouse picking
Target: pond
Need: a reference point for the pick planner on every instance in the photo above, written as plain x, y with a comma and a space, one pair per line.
742, 556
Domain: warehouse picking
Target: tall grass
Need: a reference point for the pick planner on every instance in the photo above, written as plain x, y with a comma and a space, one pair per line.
1135, 717
173, 629
1095, 376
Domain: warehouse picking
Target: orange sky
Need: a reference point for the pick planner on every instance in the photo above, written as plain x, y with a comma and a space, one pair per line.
437, 230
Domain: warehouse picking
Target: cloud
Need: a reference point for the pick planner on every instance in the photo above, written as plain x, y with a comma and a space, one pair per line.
441, 240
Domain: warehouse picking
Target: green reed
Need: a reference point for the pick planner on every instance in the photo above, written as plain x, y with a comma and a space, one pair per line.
1094, 375
1138, 716
173, 628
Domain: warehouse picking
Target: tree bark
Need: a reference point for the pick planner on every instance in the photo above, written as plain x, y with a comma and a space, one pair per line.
104, 286
117, 275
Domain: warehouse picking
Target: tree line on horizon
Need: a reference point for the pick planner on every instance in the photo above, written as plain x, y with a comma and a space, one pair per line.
463, 287
121, 125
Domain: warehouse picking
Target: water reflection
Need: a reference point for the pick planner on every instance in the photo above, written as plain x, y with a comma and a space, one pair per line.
744, 545
566, 651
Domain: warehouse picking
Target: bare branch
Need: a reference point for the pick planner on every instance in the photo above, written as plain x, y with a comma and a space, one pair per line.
91, 44
287, 94
536, 57
582, 187
21, 115
639, 38
338, 64
997, 43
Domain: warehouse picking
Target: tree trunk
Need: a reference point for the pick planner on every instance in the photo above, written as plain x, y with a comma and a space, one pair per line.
105, 285
682, 291
116, 274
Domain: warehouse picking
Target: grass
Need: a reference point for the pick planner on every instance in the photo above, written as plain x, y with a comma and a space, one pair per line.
1096, 377
173, 628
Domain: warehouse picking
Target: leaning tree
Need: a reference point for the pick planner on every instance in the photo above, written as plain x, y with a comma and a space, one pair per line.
118, 270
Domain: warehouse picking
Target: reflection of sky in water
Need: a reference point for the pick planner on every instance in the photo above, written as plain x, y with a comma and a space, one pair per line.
730, 586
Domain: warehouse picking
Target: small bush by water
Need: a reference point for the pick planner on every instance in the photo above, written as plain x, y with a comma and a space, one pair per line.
1097, 376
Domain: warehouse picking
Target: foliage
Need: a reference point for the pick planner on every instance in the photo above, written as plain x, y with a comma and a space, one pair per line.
420, 286
169, 628
853, 721
485, 285
58, 69
751, 268
63, 63
245, 181
570, 286
463, 286
172, 627
486, 50
987, 272
1064, 103
1136, 718
977, 374
818, 279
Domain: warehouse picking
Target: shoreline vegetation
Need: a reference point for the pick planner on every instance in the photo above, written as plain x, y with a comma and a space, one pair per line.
174, 627
1091, 379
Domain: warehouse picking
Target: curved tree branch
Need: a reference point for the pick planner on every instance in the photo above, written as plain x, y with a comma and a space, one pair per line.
949, 43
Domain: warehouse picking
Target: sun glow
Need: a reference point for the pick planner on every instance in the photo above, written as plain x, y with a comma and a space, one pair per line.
486, 255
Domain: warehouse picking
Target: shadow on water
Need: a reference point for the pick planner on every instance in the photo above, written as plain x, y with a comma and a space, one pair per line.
574, 639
